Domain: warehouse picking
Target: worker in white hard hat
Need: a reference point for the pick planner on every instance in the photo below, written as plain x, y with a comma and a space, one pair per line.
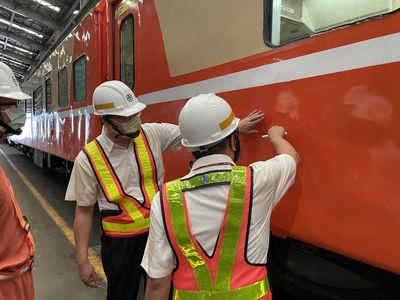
209, 231
121, 170
16, 247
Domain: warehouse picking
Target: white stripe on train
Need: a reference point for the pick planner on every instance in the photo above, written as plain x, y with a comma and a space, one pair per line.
377, 51
373, 52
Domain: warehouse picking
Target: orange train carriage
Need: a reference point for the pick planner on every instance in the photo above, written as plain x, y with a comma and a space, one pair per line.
326, 70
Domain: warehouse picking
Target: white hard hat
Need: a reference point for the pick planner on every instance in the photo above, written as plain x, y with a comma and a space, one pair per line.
205, 120
9, 87
115, 98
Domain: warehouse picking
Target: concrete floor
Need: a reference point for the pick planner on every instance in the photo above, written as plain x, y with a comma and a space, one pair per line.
55, 271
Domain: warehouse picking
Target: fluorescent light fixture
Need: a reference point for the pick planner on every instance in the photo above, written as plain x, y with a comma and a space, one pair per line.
21, 28
14, 61
47, 4
17, 48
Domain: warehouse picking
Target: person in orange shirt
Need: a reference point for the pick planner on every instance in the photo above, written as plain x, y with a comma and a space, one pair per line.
16, 245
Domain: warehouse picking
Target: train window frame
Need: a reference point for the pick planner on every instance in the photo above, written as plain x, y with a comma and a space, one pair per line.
121, 54
37, 106
273, 24
48, 95
82, 98
61, 73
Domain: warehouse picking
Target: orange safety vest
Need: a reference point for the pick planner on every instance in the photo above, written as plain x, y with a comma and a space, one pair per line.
134, 217
23, 221
226, 275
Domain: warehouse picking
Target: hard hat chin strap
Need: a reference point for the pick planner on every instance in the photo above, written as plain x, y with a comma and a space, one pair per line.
120, 133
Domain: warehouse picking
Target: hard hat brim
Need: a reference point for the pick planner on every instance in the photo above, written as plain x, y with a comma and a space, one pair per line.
16, 96
126, 112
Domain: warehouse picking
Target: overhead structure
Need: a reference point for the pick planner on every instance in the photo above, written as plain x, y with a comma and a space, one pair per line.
28, 28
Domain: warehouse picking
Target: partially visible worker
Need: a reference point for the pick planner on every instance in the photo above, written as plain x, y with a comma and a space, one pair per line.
209, 231
16, 245
121, 169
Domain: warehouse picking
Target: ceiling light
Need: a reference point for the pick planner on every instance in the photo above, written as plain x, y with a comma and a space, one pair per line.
22, 28
13, 61
17, 48
47, 4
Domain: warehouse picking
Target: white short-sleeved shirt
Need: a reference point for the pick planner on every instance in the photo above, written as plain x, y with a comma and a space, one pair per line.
83, 186
206, 207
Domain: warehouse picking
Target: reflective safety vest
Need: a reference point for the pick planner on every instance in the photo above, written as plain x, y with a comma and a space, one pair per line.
226, 274
133, 217
23, 221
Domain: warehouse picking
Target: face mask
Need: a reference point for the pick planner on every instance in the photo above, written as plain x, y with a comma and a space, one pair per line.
131, 126
17, 118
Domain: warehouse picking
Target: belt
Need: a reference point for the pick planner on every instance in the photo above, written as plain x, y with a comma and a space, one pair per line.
17, 273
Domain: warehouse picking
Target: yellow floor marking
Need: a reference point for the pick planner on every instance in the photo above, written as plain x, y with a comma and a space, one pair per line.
68, 232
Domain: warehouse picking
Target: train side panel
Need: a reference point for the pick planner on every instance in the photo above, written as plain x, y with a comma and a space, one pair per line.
336, 95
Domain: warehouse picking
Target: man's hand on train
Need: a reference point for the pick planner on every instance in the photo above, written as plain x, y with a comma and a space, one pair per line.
247, 123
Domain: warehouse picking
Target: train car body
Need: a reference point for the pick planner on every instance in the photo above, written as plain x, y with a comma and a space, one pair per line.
325, 70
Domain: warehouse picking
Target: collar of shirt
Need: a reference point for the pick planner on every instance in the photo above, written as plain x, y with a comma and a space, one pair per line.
210, 162
107, 143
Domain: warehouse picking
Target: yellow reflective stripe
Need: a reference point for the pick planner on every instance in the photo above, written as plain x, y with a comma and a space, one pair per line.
181, 233
250, 292
104, 106
225, 123
139, 223
233, 226
110, 186
206, 178
148, 176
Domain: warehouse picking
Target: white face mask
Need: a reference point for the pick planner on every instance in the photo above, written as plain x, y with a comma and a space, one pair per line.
131, 126
17, 117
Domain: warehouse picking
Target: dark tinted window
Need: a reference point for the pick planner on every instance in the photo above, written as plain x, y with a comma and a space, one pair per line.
127, 66
80, 79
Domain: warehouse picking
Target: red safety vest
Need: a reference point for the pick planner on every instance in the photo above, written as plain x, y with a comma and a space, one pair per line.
227, 274
134, 217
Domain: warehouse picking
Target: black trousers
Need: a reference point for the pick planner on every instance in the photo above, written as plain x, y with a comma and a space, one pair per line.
121, 259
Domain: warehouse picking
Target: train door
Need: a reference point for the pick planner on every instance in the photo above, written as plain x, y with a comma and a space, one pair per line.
125, 13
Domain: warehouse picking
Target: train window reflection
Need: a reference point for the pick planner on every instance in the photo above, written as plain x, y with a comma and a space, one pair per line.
127, 66
38, 101
63, 87
289, 20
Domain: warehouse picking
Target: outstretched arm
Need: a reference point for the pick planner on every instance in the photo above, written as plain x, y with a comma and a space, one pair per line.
253, 118
276, 135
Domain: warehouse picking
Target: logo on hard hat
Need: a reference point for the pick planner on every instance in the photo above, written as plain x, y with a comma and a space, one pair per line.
129, 97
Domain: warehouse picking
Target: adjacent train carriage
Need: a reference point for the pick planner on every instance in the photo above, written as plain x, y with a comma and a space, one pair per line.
324, 69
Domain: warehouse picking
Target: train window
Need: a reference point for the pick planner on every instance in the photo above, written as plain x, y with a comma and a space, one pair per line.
288, 20
80, 79
63, 87
28, 106
48, 94
37, 101
127, 51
